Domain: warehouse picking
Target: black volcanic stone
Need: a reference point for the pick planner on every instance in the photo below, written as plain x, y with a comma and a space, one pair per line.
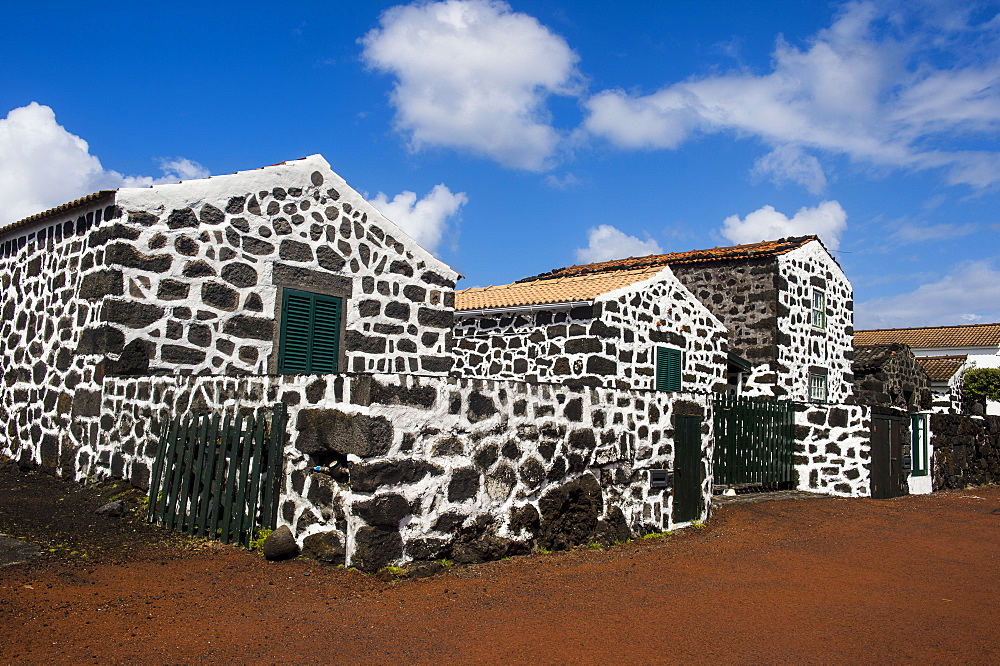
122, 254
182, 218
329, 259
132, 314
239, 274
181, 355
211, 215
435, 318
366, 478
330, 430
255, 328
172, 290
383, 511
292, 250
464, 484
219, 296
198, 268
107, 282
375, 548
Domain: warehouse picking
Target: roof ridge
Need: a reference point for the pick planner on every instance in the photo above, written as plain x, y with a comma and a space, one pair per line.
923, 328
761, 248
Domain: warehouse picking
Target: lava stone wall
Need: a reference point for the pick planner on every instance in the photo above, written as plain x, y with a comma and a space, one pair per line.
610, 343
187, 279
966, 450
766, 305
743, 295
802, 347
833, 449
898, 381
438, 467
50, 395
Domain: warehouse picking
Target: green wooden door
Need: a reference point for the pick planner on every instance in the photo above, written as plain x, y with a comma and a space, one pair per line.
687, 469
887, 457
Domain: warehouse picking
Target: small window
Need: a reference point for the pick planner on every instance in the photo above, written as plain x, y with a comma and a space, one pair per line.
668, 369
819, 309
310, 333
919, 445
817, 388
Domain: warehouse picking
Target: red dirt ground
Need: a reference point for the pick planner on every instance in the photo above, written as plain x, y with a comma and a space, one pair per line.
909, 580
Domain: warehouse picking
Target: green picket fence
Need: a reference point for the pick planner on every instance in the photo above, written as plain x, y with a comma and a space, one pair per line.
754, 440
219, 477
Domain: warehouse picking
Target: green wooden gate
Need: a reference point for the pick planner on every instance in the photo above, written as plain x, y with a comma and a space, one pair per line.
754, 439
219, 477
688, 503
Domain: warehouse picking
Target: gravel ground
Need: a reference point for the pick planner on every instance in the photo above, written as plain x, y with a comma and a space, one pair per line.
913, 579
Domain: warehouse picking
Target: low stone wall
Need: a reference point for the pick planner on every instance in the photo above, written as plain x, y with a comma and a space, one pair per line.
833, 449
966, 450
438, 467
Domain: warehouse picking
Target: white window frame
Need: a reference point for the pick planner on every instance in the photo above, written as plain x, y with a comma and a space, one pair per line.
818, 316
819, 387
919, 445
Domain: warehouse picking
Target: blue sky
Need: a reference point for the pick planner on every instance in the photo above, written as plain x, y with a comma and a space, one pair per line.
513, 138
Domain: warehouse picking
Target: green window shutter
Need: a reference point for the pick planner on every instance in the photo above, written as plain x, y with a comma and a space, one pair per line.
325, 341
310, 332
668, 369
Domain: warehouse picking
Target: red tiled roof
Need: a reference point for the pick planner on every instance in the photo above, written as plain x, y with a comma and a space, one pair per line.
941, 368
62, 208
749, 251
556, 290
974, 335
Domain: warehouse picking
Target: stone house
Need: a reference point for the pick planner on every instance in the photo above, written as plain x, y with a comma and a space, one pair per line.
126, 309
637, 329
945, 351
283, 269
786, 304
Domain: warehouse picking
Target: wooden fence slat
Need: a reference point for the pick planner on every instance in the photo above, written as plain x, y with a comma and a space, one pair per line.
241, 492
219, 482
163, 494
195, 472
275, 456
250, 514
154, 477
177, 474
208, 475
232, 459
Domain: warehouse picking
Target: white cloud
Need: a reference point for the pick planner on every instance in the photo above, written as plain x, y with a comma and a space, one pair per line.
43, 165
426, 219
915, 233
869, 87
828, 220
473, 75
605, 243
970, 294
791, 164
563, 183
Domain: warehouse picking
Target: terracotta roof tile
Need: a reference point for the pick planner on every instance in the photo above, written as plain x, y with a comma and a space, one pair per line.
749, 251
62, 208
975, 335
941, 368
557, 290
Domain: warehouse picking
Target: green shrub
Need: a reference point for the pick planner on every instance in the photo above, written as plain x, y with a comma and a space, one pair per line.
981, 383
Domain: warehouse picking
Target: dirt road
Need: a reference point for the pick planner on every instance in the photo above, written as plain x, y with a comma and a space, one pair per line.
914, 579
